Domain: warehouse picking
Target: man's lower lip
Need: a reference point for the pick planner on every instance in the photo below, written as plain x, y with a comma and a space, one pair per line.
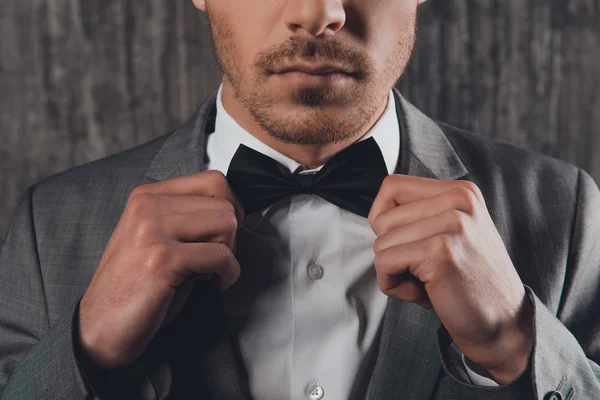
303, 79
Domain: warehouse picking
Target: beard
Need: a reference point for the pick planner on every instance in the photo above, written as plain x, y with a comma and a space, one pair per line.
319, 116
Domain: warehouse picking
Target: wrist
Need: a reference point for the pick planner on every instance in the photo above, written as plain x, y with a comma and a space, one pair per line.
86, 362
517, 349
508, 356
103, 383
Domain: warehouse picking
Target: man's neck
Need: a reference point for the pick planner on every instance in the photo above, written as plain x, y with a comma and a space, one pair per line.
312, 156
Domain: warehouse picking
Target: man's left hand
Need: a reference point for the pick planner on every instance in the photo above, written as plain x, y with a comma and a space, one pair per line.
437, 246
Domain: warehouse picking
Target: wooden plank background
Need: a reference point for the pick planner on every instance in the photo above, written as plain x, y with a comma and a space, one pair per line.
82, 79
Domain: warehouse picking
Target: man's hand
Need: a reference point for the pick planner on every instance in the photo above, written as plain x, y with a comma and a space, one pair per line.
437, 246
170, 234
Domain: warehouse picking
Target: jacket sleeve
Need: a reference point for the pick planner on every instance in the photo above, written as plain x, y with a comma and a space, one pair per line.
37, 360
563, 363
460, 368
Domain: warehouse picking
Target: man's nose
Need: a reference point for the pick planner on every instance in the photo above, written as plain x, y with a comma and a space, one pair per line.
317, 17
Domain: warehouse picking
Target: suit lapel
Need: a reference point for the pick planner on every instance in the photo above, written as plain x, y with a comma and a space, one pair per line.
183, 151
408, 363
183, 364
195, 354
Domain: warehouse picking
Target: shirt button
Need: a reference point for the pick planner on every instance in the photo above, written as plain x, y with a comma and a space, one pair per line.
315, 392
554, 395
315, 271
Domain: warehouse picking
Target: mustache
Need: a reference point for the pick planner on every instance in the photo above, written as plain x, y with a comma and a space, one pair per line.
331, 50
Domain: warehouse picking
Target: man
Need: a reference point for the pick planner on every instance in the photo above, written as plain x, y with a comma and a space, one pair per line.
306, 234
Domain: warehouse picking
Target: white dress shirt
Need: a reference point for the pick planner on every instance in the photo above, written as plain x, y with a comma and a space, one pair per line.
307, 310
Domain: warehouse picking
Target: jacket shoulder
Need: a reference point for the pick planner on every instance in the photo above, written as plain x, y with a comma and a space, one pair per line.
489, 159
106, 180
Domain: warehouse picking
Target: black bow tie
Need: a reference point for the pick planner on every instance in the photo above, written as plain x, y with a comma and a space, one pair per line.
351, 179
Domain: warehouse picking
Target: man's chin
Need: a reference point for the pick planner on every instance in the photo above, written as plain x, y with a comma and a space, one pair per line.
309, 125
313, 112
319, 97
307, 90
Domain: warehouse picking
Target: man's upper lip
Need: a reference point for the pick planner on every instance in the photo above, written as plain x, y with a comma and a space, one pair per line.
312, 68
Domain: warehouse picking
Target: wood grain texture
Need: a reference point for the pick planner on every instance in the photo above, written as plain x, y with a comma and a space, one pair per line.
82, 79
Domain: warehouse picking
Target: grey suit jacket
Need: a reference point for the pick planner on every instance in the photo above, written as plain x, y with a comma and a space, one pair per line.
547, 212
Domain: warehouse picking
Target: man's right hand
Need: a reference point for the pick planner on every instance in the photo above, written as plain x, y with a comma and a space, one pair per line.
171, 233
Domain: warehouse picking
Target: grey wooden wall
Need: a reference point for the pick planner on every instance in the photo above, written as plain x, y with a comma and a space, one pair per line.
82, 79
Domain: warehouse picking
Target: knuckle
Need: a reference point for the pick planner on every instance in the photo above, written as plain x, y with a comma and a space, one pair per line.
141, 204
443, 245
145, 231
230, 221
380, 263
388, 182
223, 254
215, 174
229, 226
378, 244
158, 256
225, 204
429, 274
227, 263
150, 189
380, 225
473, 188
227, 217
467, 200
216, 178
457, 221
142, 189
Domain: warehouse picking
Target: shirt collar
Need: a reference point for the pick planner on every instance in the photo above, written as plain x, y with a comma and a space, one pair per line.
228, 135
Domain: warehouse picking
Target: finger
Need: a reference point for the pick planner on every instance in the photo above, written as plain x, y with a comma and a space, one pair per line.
179, 300
405, 287
421, 259
210, 183
399, 189
425, 303
449, 221
168, 205
192, 259
218, 226
145, 204
456, 198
